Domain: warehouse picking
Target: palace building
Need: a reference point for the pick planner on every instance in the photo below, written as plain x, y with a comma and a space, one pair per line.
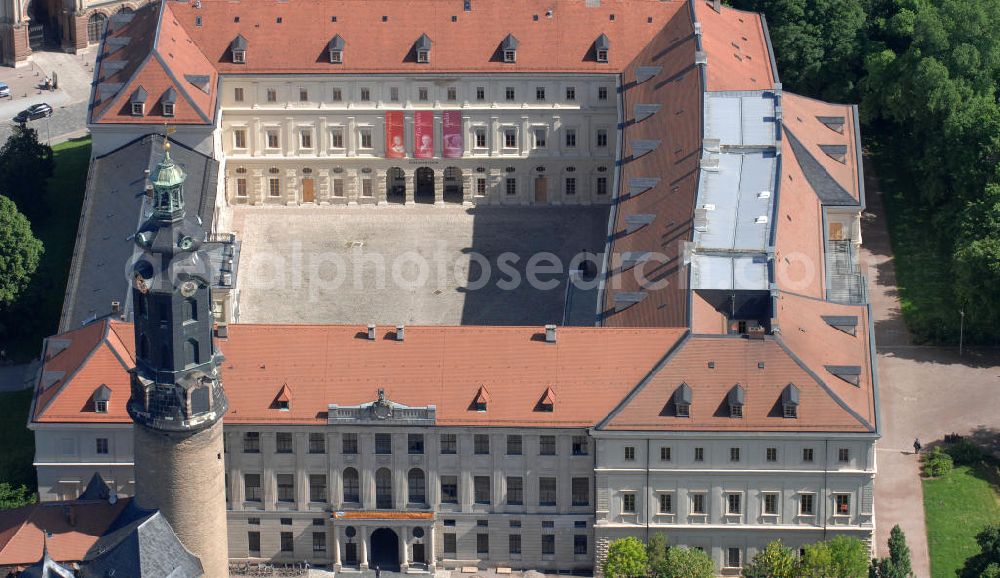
726, 397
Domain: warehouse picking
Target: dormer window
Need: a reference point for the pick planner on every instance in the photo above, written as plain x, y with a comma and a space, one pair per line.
422, 47
548, 401
168, 109
790, 401
336, 50
736, 399
481, 400
509, 49
101, 397
601, 47
138, 109
167, 101
682, 400
138, 101
239, 49
283, 401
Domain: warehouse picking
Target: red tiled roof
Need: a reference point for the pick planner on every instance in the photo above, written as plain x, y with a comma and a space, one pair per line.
736, 362
738, 57
799, 260
802, 114
22, 530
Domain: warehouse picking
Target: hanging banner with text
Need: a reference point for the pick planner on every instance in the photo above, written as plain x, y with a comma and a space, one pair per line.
395, 147
423, 134
451, 134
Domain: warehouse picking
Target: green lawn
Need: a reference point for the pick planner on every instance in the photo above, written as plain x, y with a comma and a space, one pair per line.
36, 315
18, 448
957, 507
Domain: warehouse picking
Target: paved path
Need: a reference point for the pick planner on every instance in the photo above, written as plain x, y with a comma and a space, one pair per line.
17, 377
69, 102
926, 392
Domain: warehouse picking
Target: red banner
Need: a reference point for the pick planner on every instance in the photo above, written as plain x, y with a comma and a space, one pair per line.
423, 134
395, 143
451, 134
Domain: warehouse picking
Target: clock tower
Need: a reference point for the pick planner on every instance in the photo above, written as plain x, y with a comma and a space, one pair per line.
177, 400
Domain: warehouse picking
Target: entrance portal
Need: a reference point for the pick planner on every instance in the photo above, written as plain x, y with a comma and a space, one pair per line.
308, 191
452, 185
385, 550
424, 185
541, 190
395, 185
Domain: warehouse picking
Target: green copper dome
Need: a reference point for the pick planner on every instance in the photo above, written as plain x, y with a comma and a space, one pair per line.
168, 189
167, 173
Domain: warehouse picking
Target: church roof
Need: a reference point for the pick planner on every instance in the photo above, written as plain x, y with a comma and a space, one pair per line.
141, 543
73, 527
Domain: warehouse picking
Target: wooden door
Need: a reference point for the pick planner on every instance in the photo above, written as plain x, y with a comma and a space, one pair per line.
308, 191
541, 190
836, 231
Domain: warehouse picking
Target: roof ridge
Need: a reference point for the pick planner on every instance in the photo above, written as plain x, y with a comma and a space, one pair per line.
39, 412
135, 73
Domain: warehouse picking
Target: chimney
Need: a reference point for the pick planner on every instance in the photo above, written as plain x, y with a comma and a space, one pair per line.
116, 307
371, 332
399, 332
550, 333
717, 5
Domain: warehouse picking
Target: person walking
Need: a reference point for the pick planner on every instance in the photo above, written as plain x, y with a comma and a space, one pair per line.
917, 446
378, 571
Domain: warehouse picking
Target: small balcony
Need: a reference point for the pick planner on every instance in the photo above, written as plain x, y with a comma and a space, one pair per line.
844, 281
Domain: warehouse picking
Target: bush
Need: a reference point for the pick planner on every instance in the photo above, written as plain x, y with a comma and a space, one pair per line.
964, 453
15, 497
626, 559
937, 463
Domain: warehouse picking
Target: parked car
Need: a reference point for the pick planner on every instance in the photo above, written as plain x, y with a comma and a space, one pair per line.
34, 112
4, 90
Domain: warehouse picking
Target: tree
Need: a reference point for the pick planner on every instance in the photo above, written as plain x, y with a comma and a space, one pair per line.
656, 550
626, 559
682, 562
774, 561
897, 565
25, 166
937, 463
977, 261
11, 497
987, 562
20, 252
841, 557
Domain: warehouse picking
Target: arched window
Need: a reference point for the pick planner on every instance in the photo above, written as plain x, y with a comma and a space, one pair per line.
383, 489
190, 309
352, 486
95, 27
191, 353
125, 10
416, 487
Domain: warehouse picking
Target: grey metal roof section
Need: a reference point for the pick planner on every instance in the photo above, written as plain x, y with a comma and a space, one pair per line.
97, 489
238, 43
509, 42
140, 95
200, 81
113, 208
790, 395
644, 73
644, 111
169, 97
423, 43
734, 210
834, 123
639, 185
827, 188
641, 147
683, 394
146, 546
846, 323
46, 568
637, 221
626, 299
737, 395
602, 42
835, 151
849, 373
336, 43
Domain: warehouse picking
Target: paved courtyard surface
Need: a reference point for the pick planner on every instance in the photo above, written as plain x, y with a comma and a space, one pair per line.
69, 103
926, 392
418, 265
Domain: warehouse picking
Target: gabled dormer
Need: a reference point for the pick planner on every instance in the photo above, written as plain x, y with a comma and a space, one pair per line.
283, 400
100, 398
238, 48
422, 48
682, 400
547, 403
137, 102
481, 400
602, 46
736, 399
168, 101
790, 401
335, 49
508, 49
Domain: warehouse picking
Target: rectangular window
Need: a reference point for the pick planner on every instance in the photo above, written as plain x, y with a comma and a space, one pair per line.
540, 93
238, 94
338, 187
272, 139
253, 543
480, 186
570, 186
481, 444
511, 186
349, 444
514, 445
602, 93
319, 542
102, 445
509, 93
602, 185
366, 94
666, 503
383, 443
581, 491
449, 489
733, 558
366, 187
628, 503
570, 138
580, 544
303, 95
252, 491
842, 504
251, 442
665, 454
452, 94
510, 138
422, 94
629, 454
450, 543
547, 445
481, 489
272, 95
540, 134
286, 487
548, 544
734, 503
317, 487
581, 446
843, 455
306, 139
338, 95
482, 544
734, 454
241, 187
274, 187
449, 444
807, 455
570, 93
317, 443
337, 137
480, 133
415, 444
602, 138
514, 544
771, 454
546, 491
366, 137
515, 491
807, 504
697, 503
287, 542
283, 443
699, 454
771, 503
240, 138
480, 93
394, 93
